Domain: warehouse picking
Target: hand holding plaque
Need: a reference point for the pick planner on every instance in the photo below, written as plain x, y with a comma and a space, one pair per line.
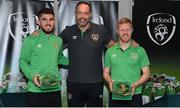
49, 81
121, 88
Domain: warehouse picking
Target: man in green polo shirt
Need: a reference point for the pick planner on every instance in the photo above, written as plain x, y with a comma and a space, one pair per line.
39, 59
124, 63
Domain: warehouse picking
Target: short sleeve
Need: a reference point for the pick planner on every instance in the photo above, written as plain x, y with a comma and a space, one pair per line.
106, 36
107, 61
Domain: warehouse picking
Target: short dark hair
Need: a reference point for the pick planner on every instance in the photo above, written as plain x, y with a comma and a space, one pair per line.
45, 11
84, 2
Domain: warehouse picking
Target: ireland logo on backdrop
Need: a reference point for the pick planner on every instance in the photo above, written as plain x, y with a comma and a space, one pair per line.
21, 24
161, 27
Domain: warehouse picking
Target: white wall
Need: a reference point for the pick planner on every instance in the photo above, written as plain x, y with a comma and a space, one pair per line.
125, 8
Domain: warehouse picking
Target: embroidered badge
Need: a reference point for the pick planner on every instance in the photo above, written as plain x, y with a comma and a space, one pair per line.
39, 45
134, 55
74, 37
114, 55
55, 45
95, 36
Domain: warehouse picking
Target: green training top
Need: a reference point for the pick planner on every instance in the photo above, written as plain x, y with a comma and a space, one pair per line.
126, 65
41, 55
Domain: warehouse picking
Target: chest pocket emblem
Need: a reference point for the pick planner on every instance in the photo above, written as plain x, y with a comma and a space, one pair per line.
74, 37
114, 56
95, 37
39, 45
55, 45
134, 56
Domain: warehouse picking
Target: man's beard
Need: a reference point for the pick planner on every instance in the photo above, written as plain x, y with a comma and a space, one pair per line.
125, 38
49, 31
82, 22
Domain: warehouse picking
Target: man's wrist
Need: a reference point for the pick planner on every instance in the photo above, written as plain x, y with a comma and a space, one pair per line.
136, 84
110, 81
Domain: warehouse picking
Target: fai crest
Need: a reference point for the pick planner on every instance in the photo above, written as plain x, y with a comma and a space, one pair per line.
21, 24
161, 27
95, 37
